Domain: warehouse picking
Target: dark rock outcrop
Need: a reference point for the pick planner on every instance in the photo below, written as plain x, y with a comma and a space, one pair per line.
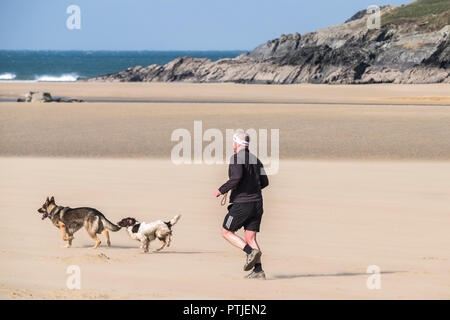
343, 54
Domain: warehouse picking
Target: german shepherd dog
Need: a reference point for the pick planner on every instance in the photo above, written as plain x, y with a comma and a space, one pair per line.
70, 220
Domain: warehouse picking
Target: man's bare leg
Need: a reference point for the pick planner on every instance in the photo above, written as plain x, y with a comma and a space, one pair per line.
253, 256
257, 273
232, 238
250, 239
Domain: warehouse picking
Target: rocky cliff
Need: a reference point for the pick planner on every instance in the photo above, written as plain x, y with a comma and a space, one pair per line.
412, 46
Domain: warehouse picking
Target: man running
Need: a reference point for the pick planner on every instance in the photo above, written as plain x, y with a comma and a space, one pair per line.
246, 179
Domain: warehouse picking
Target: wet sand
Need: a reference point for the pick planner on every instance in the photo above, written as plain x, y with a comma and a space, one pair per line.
347, 131
379, 93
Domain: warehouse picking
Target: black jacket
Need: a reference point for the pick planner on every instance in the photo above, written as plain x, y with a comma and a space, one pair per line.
246, 178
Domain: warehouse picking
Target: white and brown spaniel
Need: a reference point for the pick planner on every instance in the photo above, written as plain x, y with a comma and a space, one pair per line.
146, 232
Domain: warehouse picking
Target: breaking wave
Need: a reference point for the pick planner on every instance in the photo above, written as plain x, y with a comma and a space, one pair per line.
7, 76
68, 77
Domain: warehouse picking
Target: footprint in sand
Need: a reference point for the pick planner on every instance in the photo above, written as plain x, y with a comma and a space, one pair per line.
85, 258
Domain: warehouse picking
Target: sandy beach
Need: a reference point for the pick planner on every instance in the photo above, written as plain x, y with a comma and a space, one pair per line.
363, 180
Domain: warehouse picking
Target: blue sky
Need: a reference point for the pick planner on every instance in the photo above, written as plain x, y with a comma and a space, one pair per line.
167, 24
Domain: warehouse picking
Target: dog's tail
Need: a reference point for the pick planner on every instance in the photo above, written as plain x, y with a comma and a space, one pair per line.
109, 225
173, 221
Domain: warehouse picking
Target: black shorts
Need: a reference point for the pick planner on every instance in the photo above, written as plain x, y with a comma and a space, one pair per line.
245, 214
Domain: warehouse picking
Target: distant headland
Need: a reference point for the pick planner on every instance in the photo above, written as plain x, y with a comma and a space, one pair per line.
412, 45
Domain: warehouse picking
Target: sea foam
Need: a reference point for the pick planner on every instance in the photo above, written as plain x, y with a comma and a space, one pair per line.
68, 77
7, 76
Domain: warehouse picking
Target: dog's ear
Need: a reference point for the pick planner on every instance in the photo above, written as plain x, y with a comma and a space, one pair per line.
52, 200
47, 200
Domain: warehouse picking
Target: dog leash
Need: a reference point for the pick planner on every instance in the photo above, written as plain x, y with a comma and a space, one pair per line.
224, 199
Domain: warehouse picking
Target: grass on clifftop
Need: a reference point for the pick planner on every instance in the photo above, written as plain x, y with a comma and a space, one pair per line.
428, 15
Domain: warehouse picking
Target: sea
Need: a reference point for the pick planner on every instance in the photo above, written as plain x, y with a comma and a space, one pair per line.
66, 66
